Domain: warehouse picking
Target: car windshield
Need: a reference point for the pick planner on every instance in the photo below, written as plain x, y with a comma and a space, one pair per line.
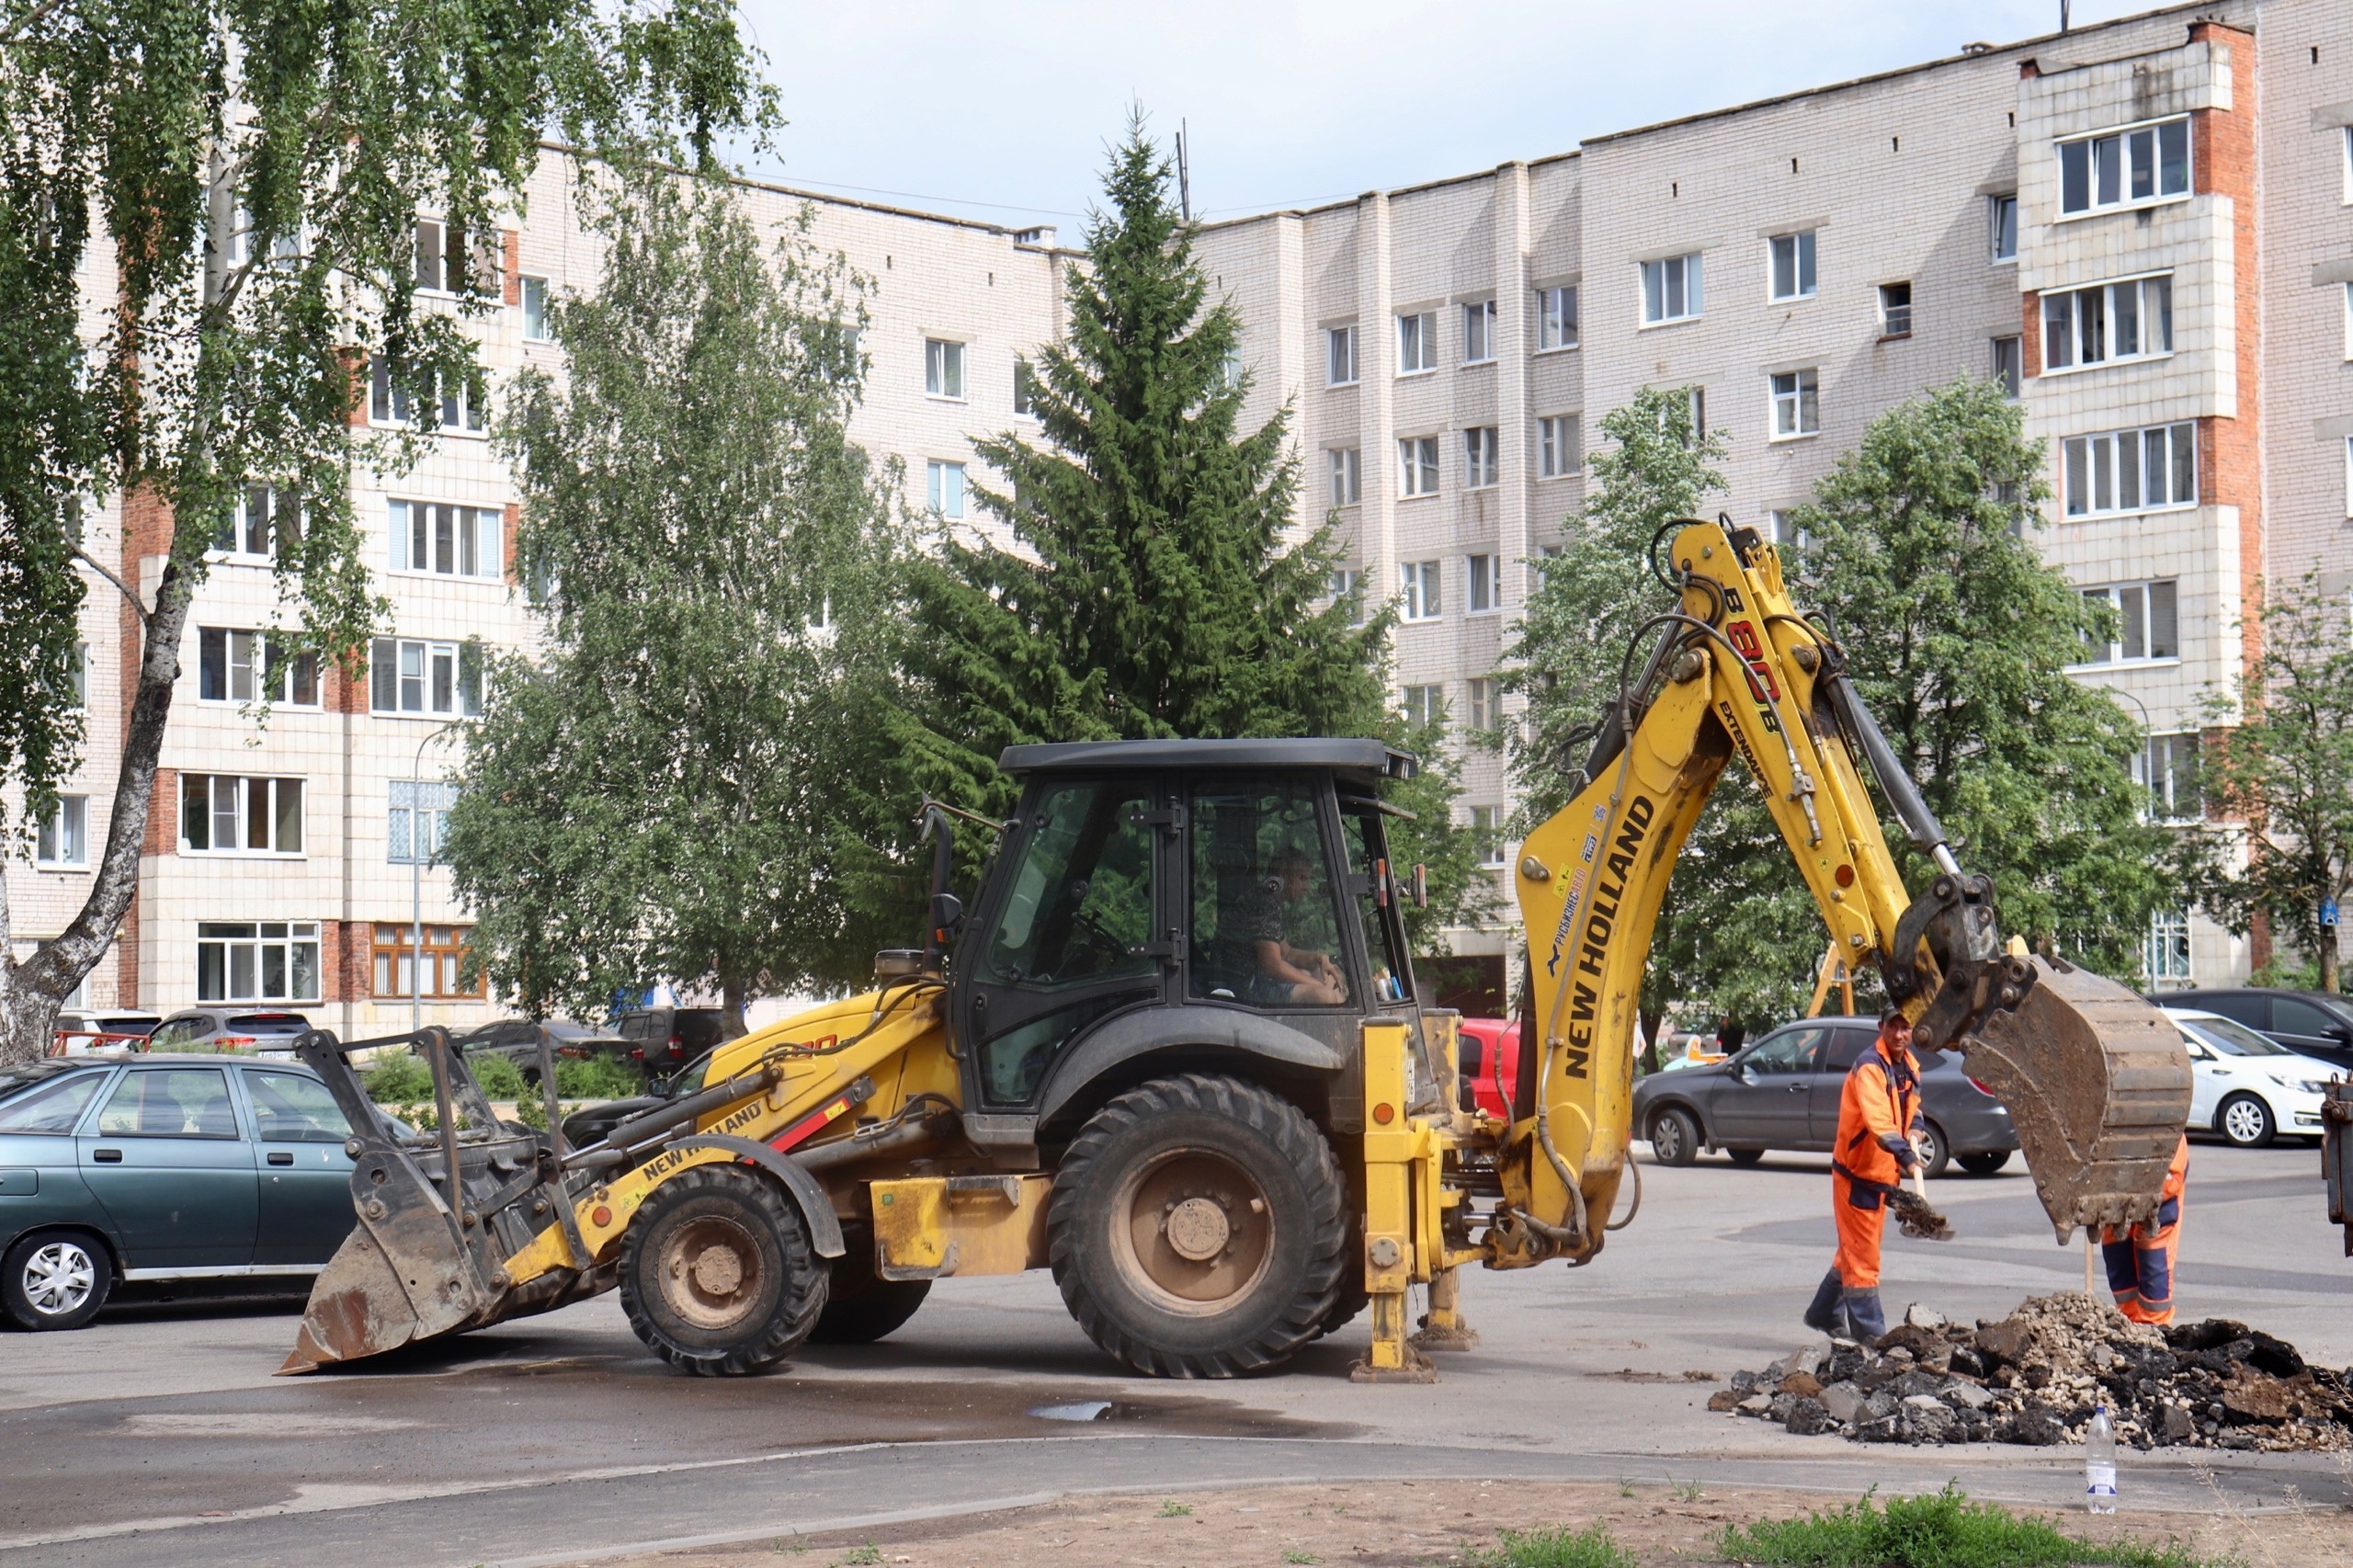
37, 1102
2233, 1038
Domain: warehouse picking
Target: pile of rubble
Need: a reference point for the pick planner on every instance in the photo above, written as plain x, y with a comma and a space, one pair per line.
2034, 1377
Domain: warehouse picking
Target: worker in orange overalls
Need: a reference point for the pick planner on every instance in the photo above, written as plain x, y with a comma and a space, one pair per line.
1879, 1114
2139, 1262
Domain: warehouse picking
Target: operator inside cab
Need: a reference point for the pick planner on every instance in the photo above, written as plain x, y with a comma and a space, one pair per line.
1879, 1117
1287, 972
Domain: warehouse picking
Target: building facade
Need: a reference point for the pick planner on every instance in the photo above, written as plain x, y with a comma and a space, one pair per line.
2145, 228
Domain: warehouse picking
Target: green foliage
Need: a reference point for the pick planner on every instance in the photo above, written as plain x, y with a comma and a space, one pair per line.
597, 1078
498, 1077
1173, 1509
1560, 1547
1943, 1529
2285, 770
399, 1080
677, 785
1461, 891
1293, 1554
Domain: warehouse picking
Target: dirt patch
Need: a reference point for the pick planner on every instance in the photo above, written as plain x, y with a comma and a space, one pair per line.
2035, 1377
1405, 1524
1628, 1375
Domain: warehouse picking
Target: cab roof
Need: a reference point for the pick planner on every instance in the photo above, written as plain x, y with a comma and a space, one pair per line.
1367, 761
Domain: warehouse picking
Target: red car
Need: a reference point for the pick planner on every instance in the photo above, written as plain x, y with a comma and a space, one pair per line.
1490, 1052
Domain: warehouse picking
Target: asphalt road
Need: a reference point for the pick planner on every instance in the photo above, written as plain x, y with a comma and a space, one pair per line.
158, 1434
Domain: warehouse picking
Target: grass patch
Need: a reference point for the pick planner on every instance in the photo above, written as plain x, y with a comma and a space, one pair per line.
1942, 1531
1173, 1509
1593, 1546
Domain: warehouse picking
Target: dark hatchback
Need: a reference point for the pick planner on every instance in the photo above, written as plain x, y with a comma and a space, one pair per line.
1782, 1092
2318, 1024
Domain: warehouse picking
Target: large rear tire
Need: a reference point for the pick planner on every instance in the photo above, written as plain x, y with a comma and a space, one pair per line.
718, 1276
1198, 1228
861, 1306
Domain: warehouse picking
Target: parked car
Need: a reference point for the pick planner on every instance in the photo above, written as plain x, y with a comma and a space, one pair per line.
1489, 1058
1782, 1092
2247, 1086
2318, 1024
517, 1040
267, 1033
591, 1122
123, 1168
659, 1040
79, 1034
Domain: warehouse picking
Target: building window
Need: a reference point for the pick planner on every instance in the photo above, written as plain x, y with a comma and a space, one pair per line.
445, 961
1417, 466
409, 676
1782, 528
1479, 332
226, 814
1348, 476
944, 489
2009, 367
417, 820
2168, 769
1419, 581
1024, 387
943, 369
1556, 445
1229, 369
461, 408
448, 542
2131, 320
1484, 589
2148, 625
269, 960
1340, 356
1426, 704
1671, 288
2132, 470
1479, 700
1895, 310
1486, 835
265, 521
77, 677
2124, 168
1347, 588
446, 264
64, 835
2002, 214
2168, 961
1695, 405
1797, 404
1416, 342
1556, 318
1792, 265
535, 309
253, 666
1480, 462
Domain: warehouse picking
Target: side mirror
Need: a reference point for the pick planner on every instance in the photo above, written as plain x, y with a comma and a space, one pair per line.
947, 918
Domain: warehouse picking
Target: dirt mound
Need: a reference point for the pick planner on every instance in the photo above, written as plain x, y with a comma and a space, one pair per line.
2033, 1378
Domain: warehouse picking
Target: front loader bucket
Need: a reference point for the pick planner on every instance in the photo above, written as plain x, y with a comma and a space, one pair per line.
401, 1275
2097, 1081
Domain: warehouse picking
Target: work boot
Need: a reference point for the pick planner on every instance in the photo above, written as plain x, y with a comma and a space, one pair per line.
1821, 1313
1864, 1314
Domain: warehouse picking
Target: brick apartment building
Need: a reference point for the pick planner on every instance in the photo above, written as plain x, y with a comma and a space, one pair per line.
2144, 227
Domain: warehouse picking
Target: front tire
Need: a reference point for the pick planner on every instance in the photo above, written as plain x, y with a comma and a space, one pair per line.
1675, 1137
861, 1306
718, 1276
1198, 1228
1936, 1151
56, 1280
2247, 1122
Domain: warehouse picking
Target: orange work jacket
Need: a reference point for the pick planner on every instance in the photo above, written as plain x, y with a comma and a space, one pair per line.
1880, 1105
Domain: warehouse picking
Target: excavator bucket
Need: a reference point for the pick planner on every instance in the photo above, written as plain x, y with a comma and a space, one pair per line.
401, 1275
2097, 1081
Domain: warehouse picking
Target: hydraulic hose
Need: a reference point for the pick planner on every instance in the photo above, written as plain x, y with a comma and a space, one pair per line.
1920, 824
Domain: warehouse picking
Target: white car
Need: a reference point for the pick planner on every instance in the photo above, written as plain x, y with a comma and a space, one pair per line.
2245, 1087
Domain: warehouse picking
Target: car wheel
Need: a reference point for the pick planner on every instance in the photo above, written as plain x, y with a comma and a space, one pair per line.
1985, 1162
1675, 1137
2245, 1121
56, 1280
1746, 1157
1936, 1150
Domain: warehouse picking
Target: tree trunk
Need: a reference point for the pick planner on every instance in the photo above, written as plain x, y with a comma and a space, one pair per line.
2326, 948
731, 997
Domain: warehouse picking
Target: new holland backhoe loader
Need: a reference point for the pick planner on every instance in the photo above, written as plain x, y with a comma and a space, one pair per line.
1176, 1053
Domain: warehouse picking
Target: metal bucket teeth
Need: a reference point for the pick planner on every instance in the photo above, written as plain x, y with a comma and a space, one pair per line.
2097, 1081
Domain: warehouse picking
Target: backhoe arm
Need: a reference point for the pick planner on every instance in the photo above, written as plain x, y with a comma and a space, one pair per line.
2099, 1085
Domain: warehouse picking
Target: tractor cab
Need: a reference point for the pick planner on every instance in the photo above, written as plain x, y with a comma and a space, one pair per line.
1157, 906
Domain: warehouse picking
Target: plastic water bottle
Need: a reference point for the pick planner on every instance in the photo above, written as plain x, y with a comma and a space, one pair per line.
2099, 1462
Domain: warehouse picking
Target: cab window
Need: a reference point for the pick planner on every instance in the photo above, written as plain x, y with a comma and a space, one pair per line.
1081, 895
1266, 921
1367, 848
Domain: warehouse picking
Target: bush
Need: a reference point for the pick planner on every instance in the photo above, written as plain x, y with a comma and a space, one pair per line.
597, 1078
499, 1077
399, 1080
1593, 1546
1941, 1531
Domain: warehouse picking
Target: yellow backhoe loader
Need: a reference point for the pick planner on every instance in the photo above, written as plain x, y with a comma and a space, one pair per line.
1177, 1054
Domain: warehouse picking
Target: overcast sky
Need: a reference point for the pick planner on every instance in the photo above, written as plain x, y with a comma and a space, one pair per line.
1000, 108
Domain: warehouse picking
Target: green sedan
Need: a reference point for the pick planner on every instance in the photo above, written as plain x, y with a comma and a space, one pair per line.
163, 1167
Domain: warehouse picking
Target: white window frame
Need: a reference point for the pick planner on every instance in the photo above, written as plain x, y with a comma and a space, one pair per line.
1345, 585
2012, 379
1417, 342
1423, 703
1997, 206
531, 308
438, 667
296, 941
2171, 791
446, 539
226, 802
1895, 320
1556, 318
2141, 609
249, 534
1479, 332
1346, 465
1340, 355
62, 843
1797, 403
943, 487
1417, 476
2346, 140
2097, 472
943, 369
2126, 141
409, 802
1487, 832
1482, 706
1556, 445
1673, 288
1483, 579
1482, 457
246, 657
1799, 244
2165, 958
1422, 597
77, 680
2067, 312
389, 408
2348, 476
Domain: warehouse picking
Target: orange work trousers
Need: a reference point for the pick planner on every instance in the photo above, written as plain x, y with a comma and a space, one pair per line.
1861, 1230
2140, 1266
